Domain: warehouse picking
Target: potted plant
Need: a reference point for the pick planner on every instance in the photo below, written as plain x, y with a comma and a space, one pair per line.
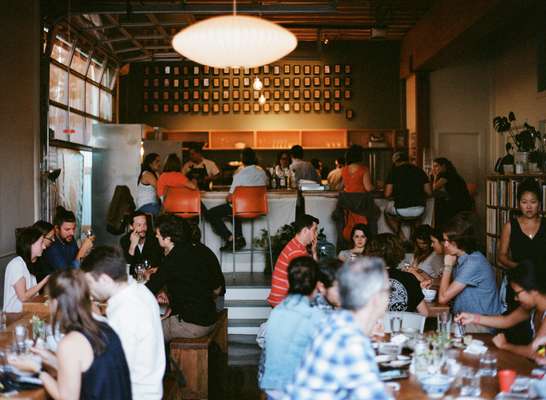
524, 136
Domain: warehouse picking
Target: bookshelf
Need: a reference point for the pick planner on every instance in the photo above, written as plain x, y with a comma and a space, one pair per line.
501, 204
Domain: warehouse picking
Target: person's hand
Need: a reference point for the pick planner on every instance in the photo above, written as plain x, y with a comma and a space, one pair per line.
537, 345
87, 245
167, 314
465, 318
314, 247
426, 283
450, 261
47, 356
500, 341
539, 341
229, 197
162, 298
149, 272
134, 238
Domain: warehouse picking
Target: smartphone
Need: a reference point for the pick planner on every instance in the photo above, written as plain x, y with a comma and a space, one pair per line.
393, 374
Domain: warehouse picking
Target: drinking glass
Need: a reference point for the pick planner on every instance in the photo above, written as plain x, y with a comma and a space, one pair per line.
20, 337
139, 273
470, 385
488, 365
396, 325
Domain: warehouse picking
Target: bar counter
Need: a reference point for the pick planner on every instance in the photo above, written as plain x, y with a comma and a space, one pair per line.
282, 211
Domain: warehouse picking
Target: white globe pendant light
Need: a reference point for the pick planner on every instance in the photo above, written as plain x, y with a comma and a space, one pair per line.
234, 41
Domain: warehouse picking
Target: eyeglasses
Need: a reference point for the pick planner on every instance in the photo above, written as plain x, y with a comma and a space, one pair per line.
50, 239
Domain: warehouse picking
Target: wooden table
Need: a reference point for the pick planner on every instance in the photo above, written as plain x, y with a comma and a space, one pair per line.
436, 309
6, 338
37, 306
410, 388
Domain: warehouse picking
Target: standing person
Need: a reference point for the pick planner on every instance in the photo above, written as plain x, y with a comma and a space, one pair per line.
64, 252
523, 238
450, 190
283, 162
250, 175
133, 313
41, 267
139, 244
359, 237
19, 282
318, 165
527, 282
90, 362
340, 362
406, 293
172, 176
200, 169
334, 176
302, 170
355, 175
306, 227
192, 278
468, 280
409, 186
290, 327
146, 198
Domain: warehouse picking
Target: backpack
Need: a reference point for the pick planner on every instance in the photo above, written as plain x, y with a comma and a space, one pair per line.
120, 210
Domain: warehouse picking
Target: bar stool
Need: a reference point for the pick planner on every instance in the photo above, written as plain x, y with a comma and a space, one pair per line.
250, 202
409, 221
184, 203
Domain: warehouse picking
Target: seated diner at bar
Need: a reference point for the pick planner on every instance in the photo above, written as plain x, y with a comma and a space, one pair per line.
310, 199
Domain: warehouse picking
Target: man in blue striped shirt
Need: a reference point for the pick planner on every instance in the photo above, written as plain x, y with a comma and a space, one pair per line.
340, 363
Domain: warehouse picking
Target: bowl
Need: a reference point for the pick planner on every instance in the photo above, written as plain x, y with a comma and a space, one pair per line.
430, 294
390, 349
435, 386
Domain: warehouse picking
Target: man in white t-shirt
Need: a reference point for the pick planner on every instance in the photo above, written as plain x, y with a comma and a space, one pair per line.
133, 313
250, 174
199, 168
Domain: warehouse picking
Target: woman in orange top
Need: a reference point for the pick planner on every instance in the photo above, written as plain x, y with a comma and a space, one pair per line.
173, 177
355, 175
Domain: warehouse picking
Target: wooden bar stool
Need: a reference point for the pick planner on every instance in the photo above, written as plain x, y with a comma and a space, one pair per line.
250, 202
185, 203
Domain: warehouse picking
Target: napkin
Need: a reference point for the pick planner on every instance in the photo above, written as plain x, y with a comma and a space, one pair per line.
476, 347
399, 339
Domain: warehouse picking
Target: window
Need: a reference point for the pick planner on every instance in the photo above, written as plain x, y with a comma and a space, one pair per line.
105, 105
57, 122
95, 70
61, 51
76, 126
58, 84
79, 62
77, 92
91, 99
108, 78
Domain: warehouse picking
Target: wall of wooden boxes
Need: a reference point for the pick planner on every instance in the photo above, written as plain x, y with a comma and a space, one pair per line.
287, 88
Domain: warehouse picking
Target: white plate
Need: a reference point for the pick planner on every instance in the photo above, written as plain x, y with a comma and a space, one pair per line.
382, 359
398, 363
404, 358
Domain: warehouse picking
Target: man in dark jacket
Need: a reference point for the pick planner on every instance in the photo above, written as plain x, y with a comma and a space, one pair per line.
139, 245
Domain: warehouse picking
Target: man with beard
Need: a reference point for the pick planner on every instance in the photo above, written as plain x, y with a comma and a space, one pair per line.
64, 252
138, 245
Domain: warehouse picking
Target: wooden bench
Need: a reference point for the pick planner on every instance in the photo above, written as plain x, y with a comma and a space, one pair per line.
192, 356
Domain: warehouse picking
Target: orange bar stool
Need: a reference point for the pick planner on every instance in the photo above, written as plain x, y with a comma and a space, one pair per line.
184, 203
250, 202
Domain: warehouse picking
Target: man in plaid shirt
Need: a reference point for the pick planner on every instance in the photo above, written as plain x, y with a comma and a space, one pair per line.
340, 364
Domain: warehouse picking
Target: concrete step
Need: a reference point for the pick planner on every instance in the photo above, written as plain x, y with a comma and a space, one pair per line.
246, 293
244, 326
248, 309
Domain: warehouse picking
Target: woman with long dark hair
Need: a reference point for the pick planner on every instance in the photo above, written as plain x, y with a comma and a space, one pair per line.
450, 191
355, 175
428, 260
359, 236
90, 361
41, 266
19, 281
146, 198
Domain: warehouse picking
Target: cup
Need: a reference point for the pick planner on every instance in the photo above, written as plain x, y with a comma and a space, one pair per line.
470, 382
396, 325
506, 379
488, 365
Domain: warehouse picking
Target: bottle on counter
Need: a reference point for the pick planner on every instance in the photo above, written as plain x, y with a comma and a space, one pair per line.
273, 182
282, 180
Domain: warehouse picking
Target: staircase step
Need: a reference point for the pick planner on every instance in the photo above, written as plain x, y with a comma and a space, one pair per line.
246, 303
248, 309
249, 293
246, 322
241, 339
244, 326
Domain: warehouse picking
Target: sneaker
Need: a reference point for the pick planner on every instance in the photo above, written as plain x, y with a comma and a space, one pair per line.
228, 246
240, 242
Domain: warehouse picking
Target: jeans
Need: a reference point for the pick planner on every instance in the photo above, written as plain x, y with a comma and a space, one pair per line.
216, 216
151, 208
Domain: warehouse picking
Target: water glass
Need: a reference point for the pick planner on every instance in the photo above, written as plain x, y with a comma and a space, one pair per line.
396, 325
470, 385
20, 337
488, 365
139, 273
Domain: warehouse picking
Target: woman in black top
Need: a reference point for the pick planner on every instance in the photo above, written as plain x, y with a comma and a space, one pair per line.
191, 277
523, 238
406, 293
90, 361
450, 191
